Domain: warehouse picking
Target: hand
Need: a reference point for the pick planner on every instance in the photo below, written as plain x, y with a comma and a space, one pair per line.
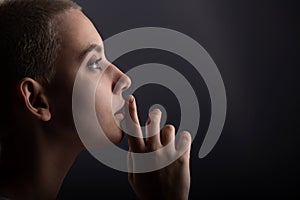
171, 182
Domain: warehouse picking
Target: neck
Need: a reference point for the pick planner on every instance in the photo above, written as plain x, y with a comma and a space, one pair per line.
34, 167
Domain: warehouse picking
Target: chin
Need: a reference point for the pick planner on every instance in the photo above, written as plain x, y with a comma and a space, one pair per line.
116, 135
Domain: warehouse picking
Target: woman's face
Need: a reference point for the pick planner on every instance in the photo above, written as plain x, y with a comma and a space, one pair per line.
82, 48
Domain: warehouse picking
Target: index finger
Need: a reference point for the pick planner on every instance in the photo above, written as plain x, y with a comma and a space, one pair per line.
133, 128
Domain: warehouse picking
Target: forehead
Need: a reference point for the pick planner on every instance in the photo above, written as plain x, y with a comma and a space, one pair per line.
76, 32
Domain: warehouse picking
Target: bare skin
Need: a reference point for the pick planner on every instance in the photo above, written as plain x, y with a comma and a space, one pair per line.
171, 182
46, 143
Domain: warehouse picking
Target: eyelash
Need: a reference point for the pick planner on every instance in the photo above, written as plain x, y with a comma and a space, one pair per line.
95, 64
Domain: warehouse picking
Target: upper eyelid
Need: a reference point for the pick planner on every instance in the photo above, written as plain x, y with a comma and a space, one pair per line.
94, 48
94, 57
93, 60
94, 54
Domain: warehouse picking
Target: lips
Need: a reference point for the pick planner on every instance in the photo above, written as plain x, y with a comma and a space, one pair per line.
120, 114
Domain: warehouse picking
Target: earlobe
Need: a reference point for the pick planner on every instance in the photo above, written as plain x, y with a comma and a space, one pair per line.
44, 114
34, 98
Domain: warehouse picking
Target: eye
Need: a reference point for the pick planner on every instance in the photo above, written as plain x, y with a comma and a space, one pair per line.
95, 64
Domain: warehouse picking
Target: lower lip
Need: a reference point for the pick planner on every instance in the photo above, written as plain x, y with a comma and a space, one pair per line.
119, 116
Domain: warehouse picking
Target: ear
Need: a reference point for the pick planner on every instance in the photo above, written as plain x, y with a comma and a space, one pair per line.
34, 98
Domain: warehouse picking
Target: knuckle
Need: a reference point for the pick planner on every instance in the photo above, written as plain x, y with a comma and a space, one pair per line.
183, 158
152, 146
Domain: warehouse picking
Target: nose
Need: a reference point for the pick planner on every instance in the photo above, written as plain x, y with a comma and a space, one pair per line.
122, 83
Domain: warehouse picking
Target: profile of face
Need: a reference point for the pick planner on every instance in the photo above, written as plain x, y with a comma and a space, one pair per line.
82, 48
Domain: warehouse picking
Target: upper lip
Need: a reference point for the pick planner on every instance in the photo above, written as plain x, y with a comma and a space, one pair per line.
121, 108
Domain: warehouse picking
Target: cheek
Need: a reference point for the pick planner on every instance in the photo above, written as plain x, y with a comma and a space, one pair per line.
60, 101
103, 105
103, 100
105, 113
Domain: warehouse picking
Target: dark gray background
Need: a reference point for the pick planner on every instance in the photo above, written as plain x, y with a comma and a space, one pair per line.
255, 45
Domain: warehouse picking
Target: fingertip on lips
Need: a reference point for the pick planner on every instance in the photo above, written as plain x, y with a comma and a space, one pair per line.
130, 99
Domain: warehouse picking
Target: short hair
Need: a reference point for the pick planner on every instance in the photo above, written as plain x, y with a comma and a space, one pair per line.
29, 44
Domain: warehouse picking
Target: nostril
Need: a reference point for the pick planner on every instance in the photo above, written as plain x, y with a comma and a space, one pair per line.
122, 84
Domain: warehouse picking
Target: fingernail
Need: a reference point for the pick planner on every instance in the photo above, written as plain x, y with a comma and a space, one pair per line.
131, 99
185, 138
156, 111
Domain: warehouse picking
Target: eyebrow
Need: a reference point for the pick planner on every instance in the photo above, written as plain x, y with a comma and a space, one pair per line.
92, 47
